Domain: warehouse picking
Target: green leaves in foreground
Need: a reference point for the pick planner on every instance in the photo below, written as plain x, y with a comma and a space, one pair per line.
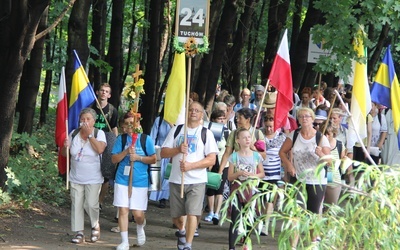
367, 216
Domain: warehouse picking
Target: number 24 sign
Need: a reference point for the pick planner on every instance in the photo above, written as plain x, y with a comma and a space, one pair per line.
192, 19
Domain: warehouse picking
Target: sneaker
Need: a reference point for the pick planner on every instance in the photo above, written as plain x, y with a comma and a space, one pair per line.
141, 236
215, 219
196, 233
181, 240
187, 248
123, 246
209, 217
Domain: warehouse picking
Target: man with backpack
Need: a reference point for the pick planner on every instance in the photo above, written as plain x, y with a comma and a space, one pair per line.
106, 120
190, 158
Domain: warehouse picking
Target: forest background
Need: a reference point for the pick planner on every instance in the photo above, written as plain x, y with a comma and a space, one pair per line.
111, 37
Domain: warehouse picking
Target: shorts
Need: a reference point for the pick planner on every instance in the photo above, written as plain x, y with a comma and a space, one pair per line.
267, 197
192, 202
138, 200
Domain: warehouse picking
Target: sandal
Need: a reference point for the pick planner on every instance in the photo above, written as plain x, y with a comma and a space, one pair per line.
78, 238
95, 236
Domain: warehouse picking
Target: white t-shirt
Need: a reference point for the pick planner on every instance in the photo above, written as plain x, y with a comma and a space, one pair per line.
85, 162
304, 158
196, 152
377, 129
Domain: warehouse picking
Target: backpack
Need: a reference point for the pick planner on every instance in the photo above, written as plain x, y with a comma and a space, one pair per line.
203, 133
76, 131
318, 136
143, 138
297, 131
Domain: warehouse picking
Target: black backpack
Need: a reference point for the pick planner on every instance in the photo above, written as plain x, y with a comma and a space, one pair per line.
203, 133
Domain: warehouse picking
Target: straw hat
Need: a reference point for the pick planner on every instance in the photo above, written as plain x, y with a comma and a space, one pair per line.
270, 100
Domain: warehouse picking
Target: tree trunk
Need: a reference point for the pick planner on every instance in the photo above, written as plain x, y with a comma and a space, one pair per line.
99, 20
201, 75
235, 53
296, 23
115, 50
277, 16
382, 41
298, 58
252, 45
77, 38
18, 28
152, 71
30, 82
224, 34
44, 105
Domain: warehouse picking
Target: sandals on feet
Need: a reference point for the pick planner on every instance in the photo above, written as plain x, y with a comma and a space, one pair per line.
78, 238
95, 236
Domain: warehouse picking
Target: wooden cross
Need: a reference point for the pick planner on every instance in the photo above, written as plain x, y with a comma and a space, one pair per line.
137, 73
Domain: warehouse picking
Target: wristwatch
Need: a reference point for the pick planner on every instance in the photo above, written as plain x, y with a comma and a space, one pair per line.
90, 136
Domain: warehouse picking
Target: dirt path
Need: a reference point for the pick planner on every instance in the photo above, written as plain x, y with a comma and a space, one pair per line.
47, 227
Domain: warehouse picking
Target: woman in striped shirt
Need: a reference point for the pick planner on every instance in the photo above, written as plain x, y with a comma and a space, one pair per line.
272, 164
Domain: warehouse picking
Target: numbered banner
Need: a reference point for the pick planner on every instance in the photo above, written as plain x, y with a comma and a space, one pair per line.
192, 20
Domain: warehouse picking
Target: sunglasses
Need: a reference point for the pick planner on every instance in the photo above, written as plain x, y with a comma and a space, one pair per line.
317, 124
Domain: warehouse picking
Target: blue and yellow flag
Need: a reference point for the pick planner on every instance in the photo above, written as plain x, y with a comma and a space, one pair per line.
386, 90
82, 94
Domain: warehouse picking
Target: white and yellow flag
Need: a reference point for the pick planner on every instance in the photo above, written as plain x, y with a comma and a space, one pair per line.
361, 98
174, 104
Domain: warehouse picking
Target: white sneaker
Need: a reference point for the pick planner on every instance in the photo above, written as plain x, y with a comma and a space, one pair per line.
141, 236
123, 246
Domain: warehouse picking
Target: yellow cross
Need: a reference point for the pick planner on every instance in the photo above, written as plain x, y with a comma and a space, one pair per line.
137, 73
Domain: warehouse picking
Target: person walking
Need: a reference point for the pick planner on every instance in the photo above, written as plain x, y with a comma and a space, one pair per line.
107, 121
86, 145
200, 153
141, 156
243, 164
307, 150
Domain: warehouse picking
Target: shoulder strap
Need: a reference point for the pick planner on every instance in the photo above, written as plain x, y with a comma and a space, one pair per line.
295, 134
76, 131
178, 129
257, 134
123, 140
318, 136
339, 146
204, 135
143, 138
110, 111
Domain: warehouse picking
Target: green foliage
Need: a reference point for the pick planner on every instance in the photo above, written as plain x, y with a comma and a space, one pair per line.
343, 19
365, 217
34, 176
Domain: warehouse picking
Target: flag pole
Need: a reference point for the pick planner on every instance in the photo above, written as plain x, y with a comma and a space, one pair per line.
259, 110
189, 68
67, 164
327, 119
355, 130
95, 97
